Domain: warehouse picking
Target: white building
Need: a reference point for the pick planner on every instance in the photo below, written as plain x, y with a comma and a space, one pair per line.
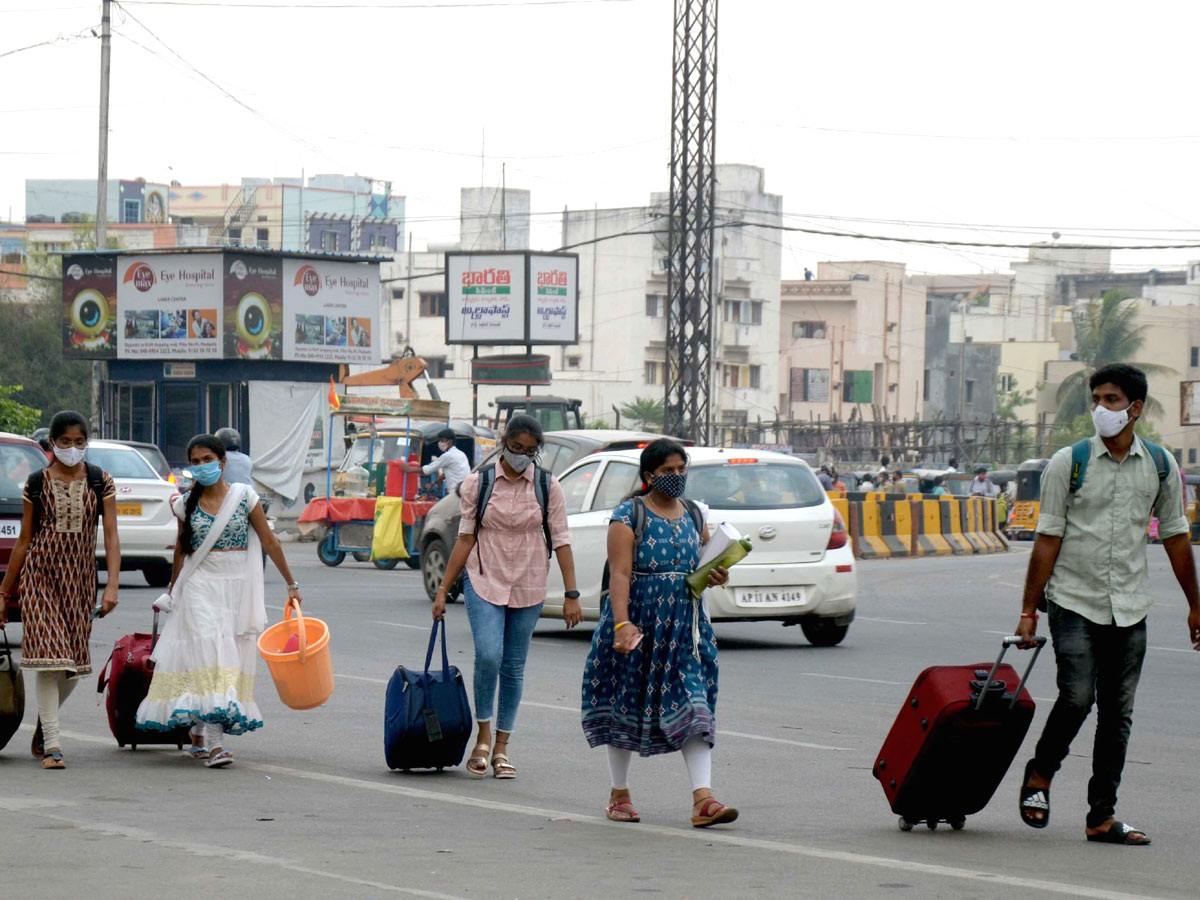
621, 354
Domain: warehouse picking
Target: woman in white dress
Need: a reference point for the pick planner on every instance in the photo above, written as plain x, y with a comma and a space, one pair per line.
205, 660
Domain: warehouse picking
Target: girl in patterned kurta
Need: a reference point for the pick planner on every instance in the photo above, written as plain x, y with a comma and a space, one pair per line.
56, 559
205, 661
650, 683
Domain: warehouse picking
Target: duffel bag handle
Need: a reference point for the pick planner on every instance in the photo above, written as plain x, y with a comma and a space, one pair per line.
429, 653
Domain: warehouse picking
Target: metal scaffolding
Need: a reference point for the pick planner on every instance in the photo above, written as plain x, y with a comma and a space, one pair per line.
686, 408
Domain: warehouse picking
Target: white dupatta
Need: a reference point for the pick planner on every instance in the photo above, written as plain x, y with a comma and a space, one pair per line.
251, 608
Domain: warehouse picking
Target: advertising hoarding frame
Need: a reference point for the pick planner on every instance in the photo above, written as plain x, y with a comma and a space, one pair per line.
526, 298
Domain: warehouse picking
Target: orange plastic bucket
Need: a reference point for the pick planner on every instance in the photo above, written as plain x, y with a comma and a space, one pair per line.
303, 677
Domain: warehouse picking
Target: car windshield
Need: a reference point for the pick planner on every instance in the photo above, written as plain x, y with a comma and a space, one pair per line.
122, 462
760, 485
157, 461
387, 447
18, 462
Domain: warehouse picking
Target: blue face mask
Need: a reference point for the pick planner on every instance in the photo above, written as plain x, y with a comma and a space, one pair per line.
671, 485
207, 474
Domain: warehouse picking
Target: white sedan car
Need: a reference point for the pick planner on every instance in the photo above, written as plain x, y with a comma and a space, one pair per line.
801, 571
145, 524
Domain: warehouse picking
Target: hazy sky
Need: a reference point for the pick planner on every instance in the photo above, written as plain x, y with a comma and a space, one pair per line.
1034, 116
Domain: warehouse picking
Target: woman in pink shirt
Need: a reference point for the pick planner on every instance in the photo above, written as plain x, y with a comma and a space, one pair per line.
506, 564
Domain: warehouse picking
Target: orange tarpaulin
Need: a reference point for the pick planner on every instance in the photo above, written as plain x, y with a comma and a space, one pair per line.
358, 509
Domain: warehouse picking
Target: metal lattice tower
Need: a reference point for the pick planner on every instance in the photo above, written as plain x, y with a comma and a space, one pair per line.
686, 408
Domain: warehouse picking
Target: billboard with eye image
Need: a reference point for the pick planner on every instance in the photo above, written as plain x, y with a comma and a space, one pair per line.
253, 307
89, 321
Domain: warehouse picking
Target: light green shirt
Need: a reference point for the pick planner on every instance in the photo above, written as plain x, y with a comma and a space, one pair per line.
1100, 572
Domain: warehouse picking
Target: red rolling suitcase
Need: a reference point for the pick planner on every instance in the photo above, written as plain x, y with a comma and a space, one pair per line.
127, 676
954, 739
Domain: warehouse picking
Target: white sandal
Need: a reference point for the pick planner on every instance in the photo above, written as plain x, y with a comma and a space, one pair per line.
218, 758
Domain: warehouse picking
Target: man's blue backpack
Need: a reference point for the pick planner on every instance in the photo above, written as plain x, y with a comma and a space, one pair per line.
427, 717
1081, 453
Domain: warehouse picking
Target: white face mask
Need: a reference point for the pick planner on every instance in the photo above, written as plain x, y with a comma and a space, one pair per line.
70, 456
1109, 422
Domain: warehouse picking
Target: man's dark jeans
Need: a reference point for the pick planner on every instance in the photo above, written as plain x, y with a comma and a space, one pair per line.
1101, 664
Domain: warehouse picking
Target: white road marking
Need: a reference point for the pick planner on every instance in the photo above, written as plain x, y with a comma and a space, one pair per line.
887, 621
575, 710
702, 837
849, 678
1172, 649
399, 625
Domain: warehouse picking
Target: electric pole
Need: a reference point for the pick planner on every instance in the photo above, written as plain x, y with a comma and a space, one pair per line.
98, 366
686, 407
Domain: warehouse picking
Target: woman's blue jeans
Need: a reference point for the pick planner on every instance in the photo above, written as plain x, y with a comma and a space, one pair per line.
502, 637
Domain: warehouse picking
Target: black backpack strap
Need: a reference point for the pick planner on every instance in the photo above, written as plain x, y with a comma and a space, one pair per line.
33, 486
639, 519
697, 515
487, 482
541, 488
95, 477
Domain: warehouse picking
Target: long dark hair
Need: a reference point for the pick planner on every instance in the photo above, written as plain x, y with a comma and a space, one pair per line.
654, 455
213, 443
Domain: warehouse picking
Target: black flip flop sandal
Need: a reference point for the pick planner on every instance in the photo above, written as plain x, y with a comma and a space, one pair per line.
1120, 833
1034, 800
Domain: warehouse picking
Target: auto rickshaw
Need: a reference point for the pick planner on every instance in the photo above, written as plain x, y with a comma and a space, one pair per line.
1023, 523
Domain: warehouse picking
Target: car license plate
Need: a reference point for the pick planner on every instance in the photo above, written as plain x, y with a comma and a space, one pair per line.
10, 528
129, 509
768, 596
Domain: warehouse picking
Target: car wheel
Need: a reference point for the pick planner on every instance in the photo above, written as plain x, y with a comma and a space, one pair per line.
433, 566
823, 632
386, 564
328, 553
157, 575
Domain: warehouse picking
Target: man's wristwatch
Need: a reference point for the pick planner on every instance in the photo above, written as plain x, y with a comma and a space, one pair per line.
294, 586
571, 595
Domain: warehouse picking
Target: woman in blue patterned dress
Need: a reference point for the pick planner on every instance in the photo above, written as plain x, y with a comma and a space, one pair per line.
650, 683
205, 660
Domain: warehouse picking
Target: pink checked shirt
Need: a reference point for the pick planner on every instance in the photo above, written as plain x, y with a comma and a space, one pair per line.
511, 545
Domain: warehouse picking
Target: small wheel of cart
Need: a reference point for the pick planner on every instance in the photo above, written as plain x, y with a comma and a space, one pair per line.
361, 556
959, 824
905, 825
385, 564
328, 552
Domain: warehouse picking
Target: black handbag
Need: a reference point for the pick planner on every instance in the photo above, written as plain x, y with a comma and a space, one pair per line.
427, 717
12, 692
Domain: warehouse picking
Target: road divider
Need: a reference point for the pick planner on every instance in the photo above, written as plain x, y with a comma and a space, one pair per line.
886, 526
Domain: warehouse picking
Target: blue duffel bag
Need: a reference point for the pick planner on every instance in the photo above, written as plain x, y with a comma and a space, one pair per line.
427, 718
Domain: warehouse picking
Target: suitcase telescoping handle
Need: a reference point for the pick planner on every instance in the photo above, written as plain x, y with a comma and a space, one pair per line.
1012, 640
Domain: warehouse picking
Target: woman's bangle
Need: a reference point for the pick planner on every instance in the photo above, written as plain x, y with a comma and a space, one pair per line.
621, 625
1033, 616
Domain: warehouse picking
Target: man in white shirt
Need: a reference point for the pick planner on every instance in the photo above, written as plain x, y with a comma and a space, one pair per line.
452, 466
981, 486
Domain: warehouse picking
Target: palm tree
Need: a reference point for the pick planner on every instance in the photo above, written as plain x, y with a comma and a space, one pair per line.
646, 411
1106, 331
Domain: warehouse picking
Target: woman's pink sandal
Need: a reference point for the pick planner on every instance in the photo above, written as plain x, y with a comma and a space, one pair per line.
621, 810
714, 812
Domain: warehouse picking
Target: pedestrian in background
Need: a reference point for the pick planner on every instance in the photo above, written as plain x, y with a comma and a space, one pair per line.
650, 682
507, 560
205, 659
239, 469
939, 486
55, 556
1089, 565
838, 484
825, 477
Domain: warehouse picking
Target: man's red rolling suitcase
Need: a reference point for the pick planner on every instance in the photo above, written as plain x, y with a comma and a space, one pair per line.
127, 676
954, 739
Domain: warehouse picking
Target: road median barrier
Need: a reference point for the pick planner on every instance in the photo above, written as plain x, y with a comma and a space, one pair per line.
883, 526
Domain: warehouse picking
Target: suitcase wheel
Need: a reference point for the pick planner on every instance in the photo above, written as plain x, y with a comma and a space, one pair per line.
133, 746
958, 824
932, 824
905, 825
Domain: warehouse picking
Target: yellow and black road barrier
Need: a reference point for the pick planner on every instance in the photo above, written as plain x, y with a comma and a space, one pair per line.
883, 526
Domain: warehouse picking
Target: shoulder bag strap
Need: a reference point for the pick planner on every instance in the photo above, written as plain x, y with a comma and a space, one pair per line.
638, 519
697, 515
192, 561
541, 489
1081, 453
35, 484
1159, 455
95, 477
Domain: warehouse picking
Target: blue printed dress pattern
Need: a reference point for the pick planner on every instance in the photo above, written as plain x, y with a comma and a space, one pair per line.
665, 692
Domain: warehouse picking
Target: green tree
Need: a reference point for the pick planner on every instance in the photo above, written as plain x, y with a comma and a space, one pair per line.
16, 417
1008, 404
645, 411
1106, 331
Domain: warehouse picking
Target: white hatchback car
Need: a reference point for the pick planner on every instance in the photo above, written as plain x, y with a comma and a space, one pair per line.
145, 524
801, 571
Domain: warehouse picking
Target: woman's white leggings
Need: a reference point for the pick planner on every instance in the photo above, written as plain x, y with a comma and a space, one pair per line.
697, 756
53, 688
213, 736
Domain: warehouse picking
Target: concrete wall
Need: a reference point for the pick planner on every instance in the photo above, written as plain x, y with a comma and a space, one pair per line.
481, 225
961, 377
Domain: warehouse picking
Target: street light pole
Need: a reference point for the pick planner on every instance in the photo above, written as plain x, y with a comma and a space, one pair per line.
102, 189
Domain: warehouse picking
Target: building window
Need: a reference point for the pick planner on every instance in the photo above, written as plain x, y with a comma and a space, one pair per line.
329, 241
743, 312
235, 237
433, 304
1006, 383
756, 377
573, 362
397, 293
1195, 357
810, 385
925, 389
969, 393
654, 372
379, 241
133, 412
731, 376
756, 312
436, 366
131, 211
858, 386
813, 330
1192, 456
656, 305
262, 237
929, 307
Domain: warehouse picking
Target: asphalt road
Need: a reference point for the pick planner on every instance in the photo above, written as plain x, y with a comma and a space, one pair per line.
310, 810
